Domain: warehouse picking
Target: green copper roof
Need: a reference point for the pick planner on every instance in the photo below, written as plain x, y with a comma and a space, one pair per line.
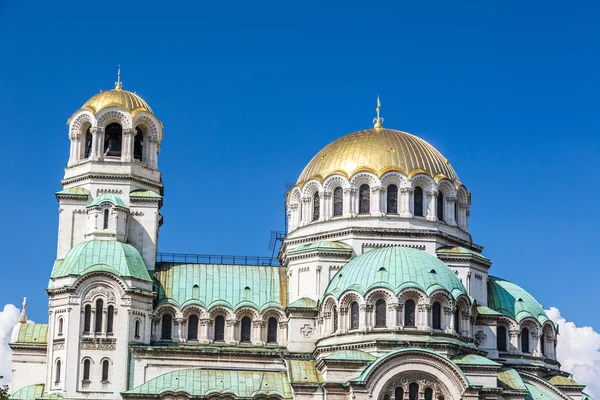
28, 392
303, 371
144, 193
473, 359
203, 382
483, 310
304, 302
108, 198
395, 268
77, 191
563, 381
230, 285
513, 301
323, 246
511, 380
537, 393
461, 250
353, 355
33, 333
585, 396
102, 255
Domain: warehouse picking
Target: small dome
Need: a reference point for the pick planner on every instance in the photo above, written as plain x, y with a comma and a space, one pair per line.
102, 255
395, 268
378, 150
117, 98
513, 301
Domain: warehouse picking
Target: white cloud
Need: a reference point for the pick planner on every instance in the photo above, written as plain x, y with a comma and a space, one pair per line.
579, 352
8, 318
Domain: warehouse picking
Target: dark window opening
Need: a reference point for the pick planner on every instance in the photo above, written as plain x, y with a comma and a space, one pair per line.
136, 333
429, 394
457, 320
413, 391
392, 199
138, 145
364, 199
501, 338
525, 340
99, 309
113, 139
105, 365
437, 315
380, 311
316, 206
338, 202
60, 326
418, 202
440, 206
166, 327
105, 223
88, 143
109, 319
192, 333
219, 329
87, 318
245, 336
354, 316
399, 393
272, 330
86, 370
543, 344
409, 313
335, 319
57, 374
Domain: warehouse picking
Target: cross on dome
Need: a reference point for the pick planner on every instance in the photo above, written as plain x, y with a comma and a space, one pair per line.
378, 121
118, 83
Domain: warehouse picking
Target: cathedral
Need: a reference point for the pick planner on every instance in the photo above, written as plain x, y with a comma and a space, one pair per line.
378, 292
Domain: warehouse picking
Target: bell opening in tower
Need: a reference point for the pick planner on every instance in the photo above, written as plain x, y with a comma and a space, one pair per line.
138, 145
113, 138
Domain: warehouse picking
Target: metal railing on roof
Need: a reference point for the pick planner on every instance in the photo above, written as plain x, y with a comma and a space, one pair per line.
182, 258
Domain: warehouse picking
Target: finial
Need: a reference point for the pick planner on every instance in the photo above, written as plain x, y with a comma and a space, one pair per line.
118, 83
23, 319
378, 120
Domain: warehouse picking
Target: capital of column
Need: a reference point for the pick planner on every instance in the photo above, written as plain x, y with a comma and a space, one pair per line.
327, 194
514, 334
451, 199
406, 190
293, 206
377, 189
129, 132
305, 200
432, 193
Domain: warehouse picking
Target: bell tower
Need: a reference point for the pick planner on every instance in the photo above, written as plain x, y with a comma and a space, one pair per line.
112, 188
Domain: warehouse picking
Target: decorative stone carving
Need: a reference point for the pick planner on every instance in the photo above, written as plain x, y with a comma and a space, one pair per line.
306, 330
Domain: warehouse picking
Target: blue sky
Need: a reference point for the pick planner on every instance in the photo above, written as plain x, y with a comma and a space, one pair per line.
249, 91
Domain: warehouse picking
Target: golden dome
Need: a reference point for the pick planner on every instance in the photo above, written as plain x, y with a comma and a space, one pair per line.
117, 98
378, 150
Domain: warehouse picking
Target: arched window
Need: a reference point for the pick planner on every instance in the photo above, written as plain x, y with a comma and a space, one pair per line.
525, 340
429, 394
99, 309
543, 344
105, 366
136, 331
399, 393
413, 391
57, 372
418, 202
335, 319
457, 320
316, 206
386, 397
60, 327
192, 333
272, 330
501, 338
88, 143
138, 145
440, 206
338, 201
354, 315
392, 199
105, 223
110, 318
437, 315
380, 311
364, 199
196, 292
87, 318
219, 329
113, 138
456, 212
409, 313
166, 327
86, 369
245, 336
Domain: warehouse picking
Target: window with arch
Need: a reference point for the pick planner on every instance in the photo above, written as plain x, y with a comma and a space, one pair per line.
364, 199
57, 372
338, 201
413, 391
409, 313
138, 145
440, 206
399, 393
136, 330
392, 199
192, 333
246, 329
196, 292
86, 369
386, 397
354, 315
60, 326
219, 334
166, 327
113, 139
380, 314
525, 340
334, 313
501, 336
543, 344
456, 212
99, 309
456, 317
436, 316
429, 394
88, 143
105, 222
110, 316
316, 206
418, 202
87, 318
105, 367
272, 330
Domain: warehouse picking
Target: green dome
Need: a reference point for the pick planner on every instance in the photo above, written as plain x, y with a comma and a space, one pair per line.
102, 255
513, 301
395, 268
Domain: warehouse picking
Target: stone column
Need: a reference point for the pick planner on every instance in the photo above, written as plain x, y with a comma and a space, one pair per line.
449, 212
462, 215
424, 313
282, 335
75, 148
514, 341
256, 337
97, 134
177, 322
392, 316
375, 200
537, 343
306, 214
293, 217
230, 326
204, 328
431, 206
448, 320
322, 211
326, 206
153, 143
348, 212
405, 203
127, 145
343, 320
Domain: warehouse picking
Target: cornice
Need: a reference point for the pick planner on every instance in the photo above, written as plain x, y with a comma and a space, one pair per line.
114, 177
